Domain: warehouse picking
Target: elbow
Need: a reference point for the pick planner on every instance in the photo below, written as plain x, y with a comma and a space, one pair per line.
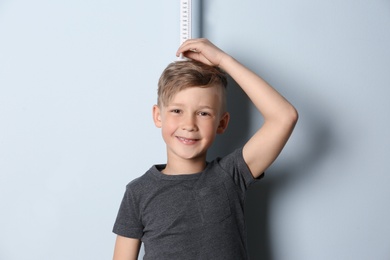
291, 117
294, 116
285, 118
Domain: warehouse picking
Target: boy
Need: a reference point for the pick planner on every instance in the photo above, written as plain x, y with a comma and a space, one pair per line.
189, 208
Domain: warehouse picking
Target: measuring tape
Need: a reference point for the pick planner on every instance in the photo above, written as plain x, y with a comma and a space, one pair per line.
185, 20
189, 21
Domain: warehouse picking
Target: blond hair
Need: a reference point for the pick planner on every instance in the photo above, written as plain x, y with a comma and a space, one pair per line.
180, 75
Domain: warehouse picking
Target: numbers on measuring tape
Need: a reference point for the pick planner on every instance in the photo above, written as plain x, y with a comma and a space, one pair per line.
185, 20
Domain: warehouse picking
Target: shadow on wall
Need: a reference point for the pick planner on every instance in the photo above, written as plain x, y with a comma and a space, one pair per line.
260, 195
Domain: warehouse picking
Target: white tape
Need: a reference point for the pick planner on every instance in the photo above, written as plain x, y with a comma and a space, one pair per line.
189, 20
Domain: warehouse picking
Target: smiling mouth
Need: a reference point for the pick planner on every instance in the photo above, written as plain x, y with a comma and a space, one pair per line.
186, 140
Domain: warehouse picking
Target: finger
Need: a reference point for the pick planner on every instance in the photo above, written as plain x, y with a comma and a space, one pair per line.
186, 47
198, 57
190, 45
186, 51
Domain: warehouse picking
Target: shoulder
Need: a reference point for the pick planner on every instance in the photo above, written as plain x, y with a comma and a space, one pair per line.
143, 181
233, 162
234, 166
233, 159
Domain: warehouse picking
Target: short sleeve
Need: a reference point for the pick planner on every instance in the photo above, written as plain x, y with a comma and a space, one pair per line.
128, 223
235, 165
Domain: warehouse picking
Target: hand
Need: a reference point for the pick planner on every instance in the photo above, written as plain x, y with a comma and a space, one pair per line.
202, 50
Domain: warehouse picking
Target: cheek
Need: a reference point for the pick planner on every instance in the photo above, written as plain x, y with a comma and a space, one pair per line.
166, 132
210, 127
169, 125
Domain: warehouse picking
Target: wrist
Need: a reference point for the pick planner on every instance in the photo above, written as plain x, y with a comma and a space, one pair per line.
226, 62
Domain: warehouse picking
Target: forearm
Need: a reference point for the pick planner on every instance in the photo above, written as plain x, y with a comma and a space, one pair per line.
126, 248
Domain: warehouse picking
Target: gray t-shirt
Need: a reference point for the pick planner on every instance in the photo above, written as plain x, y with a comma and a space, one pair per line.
195, 216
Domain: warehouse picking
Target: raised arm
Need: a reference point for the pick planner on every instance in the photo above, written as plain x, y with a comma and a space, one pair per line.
279, 115
126, 248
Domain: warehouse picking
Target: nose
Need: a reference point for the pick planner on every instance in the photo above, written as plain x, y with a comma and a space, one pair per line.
189, 123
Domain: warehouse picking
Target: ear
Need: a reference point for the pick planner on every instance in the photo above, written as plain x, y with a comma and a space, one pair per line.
223, 123
157, 116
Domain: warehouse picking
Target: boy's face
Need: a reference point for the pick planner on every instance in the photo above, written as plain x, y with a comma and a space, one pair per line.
190, 122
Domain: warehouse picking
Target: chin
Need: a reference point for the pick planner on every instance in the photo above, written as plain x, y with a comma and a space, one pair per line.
191, 156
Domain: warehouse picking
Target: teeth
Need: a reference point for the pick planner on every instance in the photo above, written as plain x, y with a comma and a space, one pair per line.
186, 140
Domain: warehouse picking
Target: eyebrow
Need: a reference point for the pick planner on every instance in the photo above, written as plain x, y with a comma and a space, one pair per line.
181, 104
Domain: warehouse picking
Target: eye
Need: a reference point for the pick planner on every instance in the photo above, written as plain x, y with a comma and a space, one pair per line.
176, 111
201, 113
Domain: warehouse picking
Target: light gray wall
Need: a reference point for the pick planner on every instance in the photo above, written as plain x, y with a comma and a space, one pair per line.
77, 83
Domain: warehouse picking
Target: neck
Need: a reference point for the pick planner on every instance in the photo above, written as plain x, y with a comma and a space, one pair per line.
175, 167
